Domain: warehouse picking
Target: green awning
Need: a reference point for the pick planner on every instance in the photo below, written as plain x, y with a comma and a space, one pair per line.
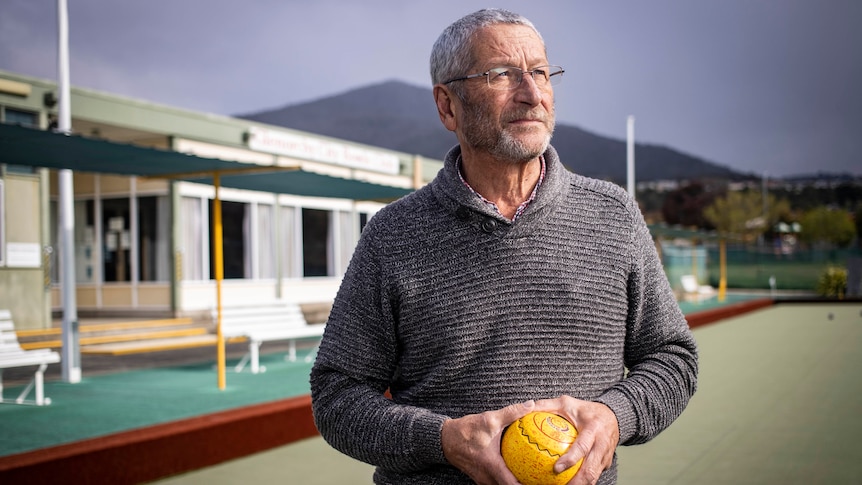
36, 148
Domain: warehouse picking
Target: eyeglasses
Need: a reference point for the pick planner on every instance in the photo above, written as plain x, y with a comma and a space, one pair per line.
506, 78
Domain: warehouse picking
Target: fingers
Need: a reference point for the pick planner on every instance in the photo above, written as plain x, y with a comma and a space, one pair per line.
472, 443
598, 436
514, 412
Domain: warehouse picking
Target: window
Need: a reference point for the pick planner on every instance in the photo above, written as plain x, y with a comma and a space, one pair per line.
153, 238
265, 242
116, 240
86, 249
29, 119
315, 242
14, 116
194, 248
2, 227
234, 237
288, 242
346, 240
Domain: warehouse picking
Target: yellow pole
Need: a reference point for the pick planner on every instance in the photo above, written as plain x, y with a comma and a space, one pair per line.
722, 285
694, 260
219, 276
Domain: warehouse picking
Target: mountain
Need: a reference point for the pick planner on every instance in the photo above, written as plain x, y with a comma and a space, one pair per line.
402, 117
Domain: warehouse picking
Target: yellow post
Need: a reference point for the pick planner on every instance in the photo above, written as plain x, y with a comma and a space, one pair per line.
694, 260
722, 258
218, 256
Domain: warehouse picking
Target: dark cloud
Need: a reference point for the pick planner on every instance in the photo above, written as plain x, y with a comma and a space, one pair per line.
768, 86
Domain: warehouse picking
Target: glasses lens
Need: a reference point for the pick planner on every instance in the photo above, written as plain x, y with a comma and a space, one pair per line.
555, 74
504, 78
546, 75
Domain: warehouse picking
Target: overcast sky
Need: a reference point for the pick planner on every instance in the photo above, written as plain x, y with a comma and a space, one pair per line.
767, 86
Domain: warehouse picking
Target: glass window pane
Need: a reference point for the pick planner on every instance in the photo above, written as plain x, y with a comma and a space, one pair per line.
86, 244
347, 239
193, 246
153, 238
234, 230
266, 242
288, 242
2, 228
117, 240
18, 117
315, 242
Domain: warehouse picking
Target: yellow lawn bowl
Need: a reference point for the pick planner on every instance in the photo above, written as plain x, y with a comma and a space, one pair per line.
532, 444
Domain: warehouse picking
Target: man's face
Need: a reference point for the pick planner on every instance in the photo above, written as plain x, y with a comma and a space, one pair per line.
513, 125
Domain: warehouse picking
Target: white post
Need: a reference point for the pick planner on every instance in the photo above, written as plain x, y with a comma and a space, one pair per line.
630, 155
71, 354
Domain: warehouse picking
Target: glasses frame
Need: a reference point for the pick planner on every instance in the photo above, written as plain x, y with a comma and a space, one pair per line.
532, 73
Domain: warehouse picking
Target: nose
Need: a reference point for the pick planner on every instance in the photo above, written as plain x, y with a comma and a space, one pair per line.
528, 91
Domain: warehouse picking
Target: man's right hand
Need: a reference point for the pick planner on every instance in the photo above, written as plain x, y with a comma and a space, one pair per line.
472, 443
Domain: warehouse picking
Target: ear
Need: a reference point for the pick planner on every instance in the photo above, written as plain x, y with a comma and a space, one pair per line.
445, 101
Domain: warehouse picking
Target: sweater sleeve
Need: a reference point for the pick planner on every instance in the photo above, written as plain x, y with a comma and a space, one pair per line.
660, 350
356, 362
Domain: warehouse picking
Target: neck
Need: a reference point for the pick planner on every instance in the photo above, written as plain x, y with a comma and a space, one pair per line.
507, 184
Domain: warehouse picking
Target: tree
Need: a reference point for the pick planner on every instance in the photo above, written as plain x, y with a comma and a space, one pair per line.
744, 215
685, 205
823, 225
741, 214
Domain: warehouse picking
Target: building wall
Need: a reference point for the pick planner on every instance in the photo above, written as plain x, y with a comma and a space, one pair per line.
24, 270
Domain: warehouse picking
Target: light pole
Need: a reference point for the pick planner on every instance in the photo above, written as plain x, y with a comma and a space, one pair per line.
630, 155
71, 353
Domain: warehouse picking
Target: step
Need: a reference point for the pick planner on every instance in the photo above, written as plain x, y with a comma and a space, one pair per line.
119, 338
107, 327
155, 345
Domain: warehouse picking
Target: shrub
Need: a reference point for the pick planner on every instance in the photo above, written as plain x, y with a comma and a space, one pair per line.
833, 282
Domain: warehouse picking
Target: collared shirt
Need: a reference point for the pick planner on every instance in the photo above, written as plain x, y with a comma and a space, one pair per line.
521, 208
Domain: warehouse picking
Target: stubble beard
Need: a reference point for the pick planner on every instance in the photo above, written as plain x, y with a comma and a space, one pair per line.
480, 132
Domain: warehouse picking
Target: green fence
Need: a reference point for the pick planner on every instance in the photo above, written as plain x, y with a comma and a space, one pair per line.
799, 270
752, 267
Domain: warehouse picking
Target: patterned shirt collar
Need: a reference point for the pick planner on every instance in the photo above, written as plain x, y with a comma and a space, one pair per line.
521, 208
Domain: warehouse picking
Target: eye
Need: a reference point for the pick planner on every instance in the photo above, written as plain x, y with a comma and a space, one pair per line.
499, 72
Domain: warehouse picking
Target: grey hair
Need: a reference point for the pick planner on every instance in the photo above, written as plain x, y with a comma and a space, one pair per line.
452, 54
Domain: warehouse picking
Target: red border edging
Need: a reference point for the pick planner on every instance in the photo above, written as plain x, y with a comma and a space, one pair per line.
167, 449
709, 316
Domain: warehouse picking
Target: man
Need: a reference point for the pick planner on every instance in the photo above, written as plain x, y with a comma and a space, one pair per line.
506, 285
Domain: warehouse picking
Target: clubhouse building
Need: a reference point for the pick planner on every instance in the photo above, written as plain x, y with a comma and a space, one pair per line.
293, 205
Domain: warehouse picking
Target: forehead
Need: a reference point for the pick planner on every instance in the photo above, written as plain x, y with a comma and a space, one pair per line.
506, 44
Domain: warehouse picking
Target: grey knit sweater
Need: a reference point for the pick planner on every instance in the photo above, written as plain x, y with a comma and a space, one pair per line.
456, 310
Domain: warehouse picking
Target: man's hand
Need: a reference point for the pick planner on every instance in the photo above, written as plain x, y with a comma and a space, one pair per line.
598, 436
472, 443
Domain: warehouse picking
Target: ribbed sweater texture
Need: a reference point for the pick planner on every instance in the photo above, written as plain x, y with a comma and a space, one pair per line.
456, 310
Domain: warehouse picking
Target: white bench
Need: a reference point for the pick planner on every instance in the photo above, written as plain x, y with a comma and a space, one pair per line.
266, 322
12, 355
694, 290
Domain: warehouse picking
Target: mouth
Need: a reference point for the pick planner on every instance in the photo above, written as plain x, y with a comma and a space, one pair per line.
526, 119
526, 123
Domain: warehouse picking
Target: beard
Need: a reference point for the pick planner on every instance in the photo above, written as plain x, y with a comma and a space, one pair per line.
481, 132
